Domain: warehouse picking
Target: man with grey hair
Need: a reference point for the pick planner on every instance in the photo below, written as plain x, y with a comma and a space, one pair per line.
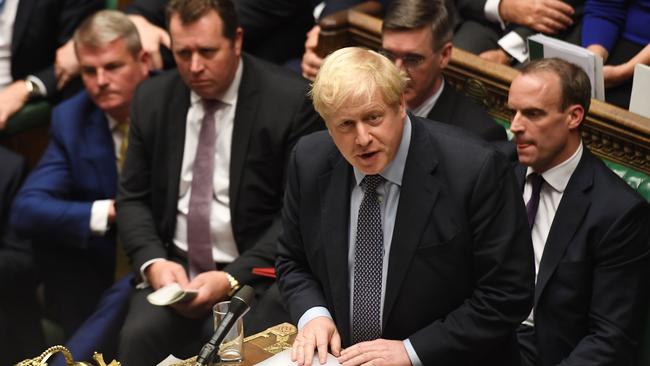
404, 239
417, 37
67, 203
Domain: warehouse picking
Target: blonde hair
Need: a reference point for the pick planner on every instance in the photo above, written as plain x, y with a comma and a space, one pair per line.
353, 74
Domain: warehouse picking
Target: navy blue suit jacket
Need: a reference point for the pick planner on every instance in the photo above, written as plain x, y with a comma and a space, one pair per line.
77, 168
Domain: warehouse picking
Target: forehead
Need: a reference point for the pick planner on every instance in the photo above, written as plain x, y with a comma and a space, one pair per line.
535, 90
418, 39
114, 50
207, 29
357, 106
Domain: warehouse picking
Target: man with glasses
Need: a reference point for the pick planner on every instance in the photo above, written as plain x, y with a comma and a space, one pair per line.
416, 36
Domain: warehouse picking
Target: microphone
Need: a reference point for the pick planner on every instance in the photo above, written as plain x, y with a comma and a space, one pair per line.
239, 305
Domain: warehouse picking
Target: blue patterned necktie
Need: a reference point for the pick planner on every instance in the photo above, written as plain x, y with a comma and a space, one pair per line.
199, 235
368, 263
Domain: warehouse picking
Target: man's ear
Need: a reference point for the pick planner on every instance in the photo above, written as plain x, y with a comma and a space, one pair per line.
237, 42
144, 58
576, 114
445, 54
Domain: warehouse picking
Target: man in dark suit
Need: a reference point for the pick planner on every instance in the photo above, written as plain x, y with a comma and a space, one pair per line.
67, 202
590, 230
416, 36
20, 329
497, 29
39, 28
261, 111
430, 265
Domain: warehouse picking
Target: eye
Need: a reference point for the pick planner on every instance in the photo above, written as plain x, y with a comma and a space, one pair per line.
88, 71
183, 54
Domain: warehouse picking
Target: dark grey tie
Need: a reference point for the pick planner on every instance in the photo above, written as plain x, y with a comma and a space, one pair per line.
536, 181
368, 263
199, 243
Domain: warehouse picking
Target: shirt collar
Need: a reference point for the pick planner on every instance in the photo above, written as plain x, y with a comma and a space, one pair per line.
558, 176
423, 109
229, 97
112, 122
394, 171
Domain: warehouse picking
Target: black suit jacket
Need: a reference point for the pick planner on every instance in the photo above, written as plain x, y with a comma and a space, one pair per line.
592, 286
40, 27
460, 276
454, 108
272, 113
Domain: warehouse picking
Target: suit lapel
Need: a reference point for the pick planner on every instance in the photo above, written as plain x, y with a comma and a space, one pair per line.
245, 117
99, 150
176, 124
23, 14
520, 173
335, 192
418, 196
570, 214
441, 111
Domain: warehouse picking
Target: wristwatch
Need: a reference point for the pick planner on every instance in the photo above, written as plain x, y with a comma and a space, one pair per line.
33, 90
234, 284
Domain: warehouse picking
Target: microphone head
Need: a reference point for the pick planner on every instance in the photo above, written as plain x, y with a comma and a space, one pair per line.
241, 300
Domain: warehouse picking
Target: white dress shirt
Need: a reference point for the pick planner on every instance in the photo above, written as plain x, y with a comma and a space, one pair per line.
7, 19
423, 109
551, 192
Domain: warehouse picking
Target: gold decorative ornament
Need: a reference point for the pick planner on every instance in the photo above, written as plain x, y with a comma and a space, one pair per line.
42, 359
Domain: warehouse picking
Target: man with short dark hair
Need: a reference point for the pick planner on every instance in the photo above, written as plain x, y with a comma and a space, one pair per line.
67, 203
201, 191
416, 36
589, 229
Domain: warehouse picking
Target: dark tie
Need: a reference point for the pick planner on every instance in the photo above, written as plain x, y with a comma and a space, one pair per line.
199, 243
536, 181
368, 263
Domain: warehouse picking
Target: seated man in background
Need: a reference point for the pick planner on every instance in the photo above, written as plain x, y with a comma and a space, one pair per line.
201, 191
589, 229
30, 32
416, 36
618, 32
20, 319
66, 205
497, 29
404, 239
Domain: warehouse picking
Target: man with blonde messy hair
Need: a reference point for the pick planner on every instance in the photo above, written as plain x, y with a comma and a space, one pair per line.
404, 239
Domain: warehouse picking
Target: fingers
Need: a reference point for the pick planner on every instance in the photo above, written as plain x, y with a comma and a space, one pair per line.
335, 344
310, 65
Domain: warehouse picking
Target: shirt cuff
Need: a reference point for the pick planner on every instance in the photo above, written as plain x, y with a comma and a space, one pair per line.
515, 46
99, 216
145, 281
42, 90
311, 314
415, 360
491, 10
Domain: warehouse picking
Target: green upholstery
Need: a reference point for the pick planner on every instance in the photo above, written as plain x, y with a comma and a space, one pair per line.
111, 4
637, 180
31, 115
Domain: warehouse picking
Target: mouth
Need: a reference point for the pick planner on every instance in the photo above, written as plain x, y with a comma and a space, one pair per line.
367, 155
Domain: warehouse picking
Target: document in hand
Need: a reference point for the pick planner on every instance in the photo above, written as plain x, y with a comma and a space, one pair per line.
171, 294
541, 46
284, 359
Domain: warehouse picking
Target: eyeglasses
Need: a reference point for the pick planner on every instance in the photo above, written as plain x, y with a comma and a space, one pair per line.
409, 60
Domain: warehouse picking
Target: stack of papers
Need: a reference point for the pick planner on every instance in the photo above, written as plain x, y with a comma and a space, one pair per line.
541, 46
171, 294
